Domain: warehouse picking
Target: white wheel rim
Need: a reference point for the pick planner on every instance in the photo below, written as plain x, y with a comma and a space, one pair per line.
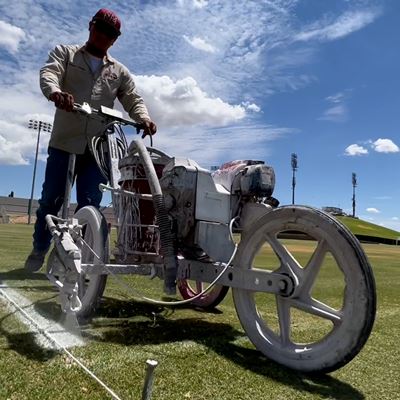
280, 346
93, 237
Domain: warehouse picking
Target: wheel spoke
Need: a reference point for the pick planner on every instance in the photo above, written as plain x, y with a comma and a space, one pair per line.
283, 308
313, 267
288, 262
318, 308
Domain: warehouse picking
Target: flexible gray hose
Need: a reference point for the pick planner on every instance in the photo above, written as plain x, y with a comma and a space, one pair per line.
166, 236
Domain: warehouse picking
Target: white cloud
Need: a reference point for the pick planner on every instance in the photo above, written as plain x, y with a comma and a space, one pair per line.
385, 146
379, 145
372, 210
200, 3
217, 145
253, 49
252, 44
200, 44
336, 98
346, 24
251, 106
337, 113
20, 102
180, 102
10, 36
194, 3
355, 150
395, 218
18, 143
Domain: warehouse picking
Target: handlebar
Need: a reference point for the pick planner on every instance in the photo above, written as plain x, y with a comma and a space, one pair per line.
109, 114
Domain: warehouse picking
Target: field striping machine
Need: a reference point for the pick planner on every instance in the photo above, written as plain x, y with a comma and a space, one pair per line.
203, 233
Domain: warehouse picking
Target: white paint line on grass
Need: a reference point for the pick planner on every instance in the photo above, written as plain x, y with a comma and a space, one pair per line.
56, 330
54, 333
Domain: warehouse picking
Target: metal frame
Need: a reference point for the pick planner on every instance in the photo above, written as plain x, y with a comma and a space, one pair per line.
255, 279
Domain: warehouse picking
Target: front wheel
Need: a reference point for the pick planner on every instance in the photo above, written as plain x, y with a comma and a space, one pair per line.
328, 318
94, 251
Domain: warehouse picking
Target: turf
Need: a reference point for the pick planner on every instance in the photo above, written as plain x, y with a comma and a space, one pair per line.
201, 355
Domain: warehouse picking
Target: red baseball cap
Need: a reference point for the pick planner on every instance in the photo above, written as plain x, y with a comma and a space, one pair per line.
108, 17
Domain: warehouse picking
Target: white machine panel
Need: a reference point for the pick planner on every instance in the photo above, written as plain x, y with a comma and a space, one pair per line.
212, 202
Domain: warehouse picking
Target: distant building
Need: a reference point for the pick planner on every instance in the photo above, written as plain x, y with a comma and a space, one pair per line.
333, 210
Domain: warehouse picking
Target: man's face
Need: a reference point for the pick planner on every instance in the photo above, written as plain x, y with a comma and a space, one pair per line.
101, 36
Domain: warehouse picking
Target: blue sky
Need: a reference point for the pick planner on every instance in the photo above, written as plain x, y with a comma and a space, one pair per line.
227, 80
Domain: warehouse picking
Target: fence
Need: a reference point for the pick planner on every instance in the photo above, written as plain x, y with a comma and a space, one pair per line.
18, 207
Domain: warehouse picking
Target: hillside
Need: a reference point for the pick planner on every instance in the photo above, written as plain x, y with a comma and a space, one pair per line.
367, 231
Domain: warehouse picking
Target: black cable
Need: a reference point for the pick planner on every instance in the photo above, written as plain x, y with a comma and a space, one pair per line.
100, 147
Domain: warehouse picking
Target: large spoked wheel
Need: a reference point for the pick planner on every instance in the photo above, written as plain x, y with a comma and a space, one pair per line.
209, 300
95, 236
326, 321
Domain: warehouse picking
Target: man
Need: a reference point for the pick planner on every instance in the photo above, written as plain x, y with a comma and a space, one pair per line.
80, 74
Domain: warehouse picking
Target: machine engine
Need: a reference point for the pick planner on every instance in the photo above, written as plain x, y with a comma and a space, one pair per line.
201, 205
179, 186
246, 178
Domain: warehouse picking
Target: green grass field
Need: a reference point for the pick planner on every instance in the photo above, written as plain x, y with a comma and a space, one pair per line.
201, 355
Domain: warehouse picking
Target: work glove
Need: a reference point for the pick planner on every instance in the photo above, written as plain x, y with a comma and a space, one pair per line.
63, 100
149, 128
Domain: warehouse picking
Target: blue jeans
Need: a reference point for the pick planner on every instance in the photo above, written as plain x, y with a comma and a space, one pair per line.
88, 177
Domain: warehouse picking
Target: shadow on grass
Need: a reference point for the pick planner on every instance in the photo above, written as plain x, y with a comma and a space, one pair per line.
135, 323
22, 274
24, 343
322, 385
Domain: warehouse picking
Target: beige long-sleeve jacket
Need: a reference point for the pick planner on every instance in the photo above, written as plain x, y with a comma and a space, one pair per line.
67, 70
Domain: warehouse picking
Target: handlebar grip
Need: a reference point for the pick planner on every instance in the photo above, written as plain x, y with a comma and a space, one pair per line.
84, 108
106, 113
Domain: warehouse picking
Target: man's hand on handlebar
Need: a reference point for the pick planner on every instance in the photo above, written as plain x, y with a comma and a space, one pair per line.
149, 128
63, 100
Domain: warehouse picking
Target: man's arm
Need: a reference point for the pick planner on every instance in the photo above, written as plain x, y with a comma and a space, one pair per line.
52, 73
51, 76
134, 104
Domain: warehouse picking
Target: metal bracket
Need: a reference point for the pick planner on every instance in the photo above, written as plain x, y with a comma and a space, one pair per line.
256, 280
112, 269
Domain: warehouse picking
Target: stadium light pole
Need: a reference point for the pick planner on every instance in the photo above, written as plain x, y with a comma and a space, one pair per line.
294, 168
46, 127
354, 182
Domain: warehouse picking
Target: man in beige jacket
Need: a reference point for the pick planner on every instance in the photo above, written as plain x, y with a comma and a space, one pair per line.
80, 74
